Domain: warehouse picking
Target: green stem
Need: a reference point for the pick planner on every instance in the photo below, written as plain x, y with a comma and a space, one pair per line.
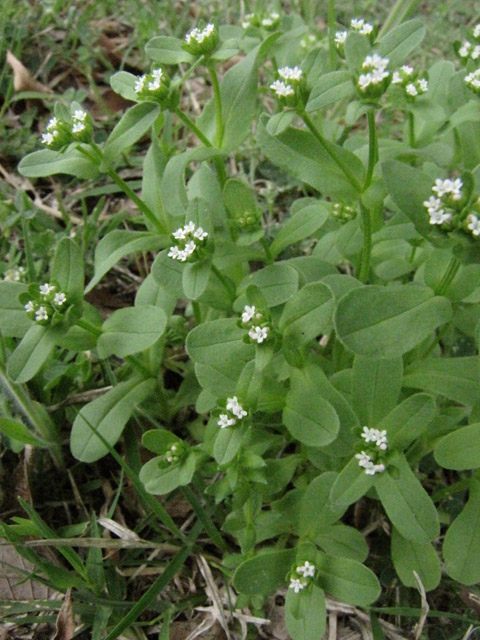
372, 148
205, 519
331, 33
397, 14
411, 129
88, 326
33, 413
448, 276
197, 313
225, 281
218, 104
188, 122
268, 254
328, 148
367, 244
138, 364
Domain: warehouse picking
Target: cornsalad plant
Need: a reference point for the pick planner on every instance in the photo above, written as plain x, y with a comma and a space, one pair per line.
330, 357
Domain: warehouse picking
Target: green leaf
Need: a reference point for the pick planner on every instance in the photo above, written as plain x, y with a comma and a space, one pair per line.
409, 188
454, 378
401, 41
347, 580
306, 314
18, 431
167, 50
219, 342
407, 421
107, 415
406, 502
301, 155
329, 89
14, 322
342, 541
351, 484
305, 613
153, 166
239, 199
153, 293
357, 48
32, 352
264, 573
411, 556
123, 83
135, 122
301, 225
376, 387
119, 243
195, 278
380, 322
463, 539
308, 416
160, 480
278, 282
460, 449
67, 269
46, 162
131, 330
316, 509
227, 444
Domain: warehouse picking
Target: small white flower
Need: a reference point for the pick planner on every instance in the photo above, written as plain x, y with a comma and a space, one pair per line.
297, 584
464, 50
364, 81
77, 127
476, 53
356, 23
225, 421
407, 70
396, 78
307, 569
46, 289
154, 84
367, 29
289, 73
179, 234
281, 89
80, 115
41, 314
190, 247
474, 224
29, 307
140, 83
59, 299
198, 36
47, 138
476, 31
248, 313
52, 124
411, 89
200, 234
423, 85
189, 227
340, 37
258, 334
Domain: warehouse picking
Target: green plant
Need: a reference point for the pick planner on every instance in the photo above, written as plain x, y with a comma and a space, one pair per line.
318, 377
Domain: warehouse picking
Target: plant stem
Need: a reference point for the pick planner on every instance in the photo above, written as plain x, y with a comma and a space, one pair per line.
372, 148
31, 410
203, 138
225, 281
331, 33
268, 254
218, 104
397, 14
328, 148
88, 326
411, 129
197, 313
367, 244
447, 278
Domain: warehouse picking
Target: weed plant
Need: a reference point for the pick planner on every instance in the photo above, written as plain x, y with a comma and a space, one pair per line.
295, 360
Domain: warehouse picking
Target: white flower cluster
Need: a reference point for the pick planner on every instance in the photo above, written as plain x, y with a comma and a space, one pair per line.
447, 193
289, 76
254, 20
173, 454
366, 462
369, 460
473, 224
197, 36
469, 51
52, 132
472, 80
234, 412
254, 320
307, 570
152, 82
49, 301
406, 78
79, 121
189, 239
343, 212
376, 72
359, 24
15, 275
62, 132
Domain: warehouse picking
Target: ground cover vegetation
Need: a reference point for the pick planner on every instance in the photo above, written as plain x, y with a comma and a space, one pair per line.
239, 321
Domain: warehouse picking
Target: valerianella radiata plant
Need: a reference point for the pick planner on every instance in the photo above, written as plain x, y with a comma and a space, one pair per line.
327, 357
